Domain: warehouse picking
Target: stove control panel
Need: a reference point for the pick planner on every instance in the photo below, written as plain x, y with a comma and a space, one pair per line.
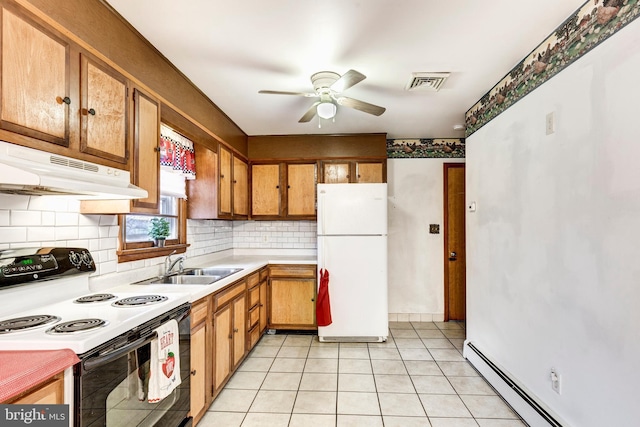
29, 264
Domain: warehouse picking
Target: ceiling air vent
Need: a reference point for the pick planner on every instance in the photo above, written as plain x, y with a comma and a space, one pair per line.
427, 81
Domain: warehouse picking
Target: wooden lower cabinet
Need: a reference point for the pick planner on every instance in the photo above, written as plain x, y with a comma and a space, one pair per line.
257, 308
292, 296
50, 392
229, 332
200, 356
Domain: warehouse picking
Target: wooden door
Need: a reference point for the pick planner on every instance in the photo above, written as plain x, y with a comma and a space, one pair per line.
239, 329
35, 81
336, 173
265, 190
224, 185
103, 115
292, 302
454, 238
146, 164
197, 382
202, 202
369, 172
301, 189
222, 337
240, 187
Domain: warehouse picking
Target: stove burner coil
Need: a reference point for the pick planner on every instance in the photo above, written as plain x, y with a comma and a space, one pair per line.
94, 298
139, 300
81, 325
27, 322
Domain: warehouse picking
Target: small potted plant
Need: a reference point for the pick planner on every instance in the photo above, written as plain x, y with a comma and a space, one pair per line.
159, 231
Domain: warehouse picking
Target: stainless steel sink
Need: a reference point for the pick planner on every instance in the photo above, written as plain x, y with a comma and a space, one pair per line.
192, 276
181, 279
211, 271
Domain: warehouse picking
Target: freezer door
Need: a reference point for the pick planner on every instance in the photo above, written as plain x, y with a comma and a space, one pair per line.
357, 268
348, 209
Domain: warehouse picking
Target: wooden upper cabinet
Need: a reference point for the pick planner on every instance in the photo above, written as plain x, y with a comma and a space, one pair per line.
240, 187
103, 112
265, 190
35, 80
336, 173
224, 184
370, 172
202, 202
344, 172
301, 189
146, 164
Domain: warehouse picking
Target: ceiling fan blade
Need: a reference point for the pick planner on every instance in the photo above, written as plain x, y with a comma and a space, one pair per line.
311, 112
348, 79
361, 105
279, 92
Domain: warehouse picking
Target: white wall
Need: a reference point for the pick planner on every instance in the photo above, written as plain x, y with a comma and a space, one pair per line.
553, 250
416, 264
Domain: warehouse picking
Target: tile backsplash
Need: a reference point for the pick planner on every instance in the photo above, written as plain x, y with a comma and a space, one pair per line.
55, 221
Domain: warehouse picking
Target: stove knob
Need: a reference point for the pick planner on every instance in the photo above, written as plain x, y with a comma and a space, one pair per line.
75, 259
86, 259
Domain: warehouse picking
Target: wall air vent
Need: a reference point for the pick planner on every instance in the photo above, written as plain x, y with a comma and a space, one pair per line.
427, 81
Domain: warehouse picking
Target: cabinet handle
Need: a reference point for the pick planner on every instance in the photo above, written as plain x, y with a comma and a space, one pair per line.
359, 176
230, 336
313, 299
348, 177
156, 148
288, 186
221, 176
235, 330
235, 182
277, 186
64, 100
193, 372
92, 111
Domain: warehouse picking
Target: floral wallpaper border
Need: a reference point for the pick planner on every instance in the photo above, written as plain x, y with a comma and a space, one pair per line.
437, 148
594, 22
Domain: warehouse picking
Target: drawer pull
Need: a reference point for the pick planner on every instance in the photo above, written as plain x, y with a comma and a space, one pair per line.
193, 373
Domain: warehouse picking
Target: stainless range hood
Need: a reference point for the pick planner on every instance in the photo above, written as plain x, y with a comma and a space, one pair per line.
26, 171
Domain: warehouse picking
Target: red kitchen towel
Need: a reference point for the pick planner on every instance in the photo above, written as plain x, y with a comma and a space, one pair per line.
323, 305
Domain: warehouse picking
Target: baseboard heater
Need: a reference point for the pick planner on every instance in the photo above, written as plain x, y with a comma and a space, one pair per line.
525, 405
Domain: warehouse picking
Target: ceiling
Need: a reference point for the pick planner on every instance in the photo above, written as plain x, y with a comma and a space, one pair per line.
231, 49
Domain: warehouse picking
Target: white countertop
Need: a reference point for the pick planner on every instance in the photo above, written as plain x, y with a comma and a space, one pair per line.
248, 263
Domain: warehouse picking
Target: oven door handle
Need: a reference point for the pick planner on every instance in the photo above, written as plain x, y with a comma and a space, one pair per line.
104, 358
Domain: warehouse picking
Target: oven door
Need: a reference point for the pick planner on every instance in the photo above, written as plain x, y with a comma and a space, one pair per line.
111, 384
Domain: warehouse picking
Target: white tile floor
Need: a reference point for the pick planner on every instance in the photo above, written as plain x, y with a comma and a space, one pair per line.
417, 378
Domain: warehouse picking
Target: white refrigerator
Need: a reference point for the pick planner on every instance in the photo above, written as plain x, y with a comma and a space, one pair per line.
352, 247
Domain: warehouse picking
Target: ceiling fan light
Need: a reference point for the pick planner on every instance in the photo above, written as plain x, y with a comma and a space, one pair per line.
326, 110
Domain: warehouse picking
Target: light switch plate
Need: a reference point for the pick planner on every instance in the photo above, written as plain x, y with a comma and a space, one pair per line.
551, 123
434, 228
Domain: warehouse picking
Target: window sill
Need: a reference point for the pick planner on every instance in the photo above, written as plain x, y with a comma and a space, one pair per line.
149, 252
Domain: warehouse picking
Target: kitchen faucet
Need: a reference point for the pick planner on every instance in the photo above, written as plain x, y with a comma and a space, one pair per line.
169, 264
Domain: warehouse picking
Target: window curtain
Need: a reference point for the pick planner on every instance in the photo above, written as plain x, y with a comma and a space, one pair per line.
176, 153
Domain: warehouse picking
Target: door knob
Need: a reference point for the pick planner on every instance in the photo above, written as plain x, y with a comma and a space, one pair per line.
453, 256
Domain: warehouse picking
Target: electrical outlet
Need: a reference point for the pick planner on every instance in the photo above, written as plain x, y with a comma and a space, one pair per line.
265, 238
555, 380
551, 123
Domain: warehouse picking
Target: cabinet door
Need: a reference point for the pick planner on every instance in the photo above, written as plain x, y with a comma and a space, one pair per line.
240, 187
103, 115
239, 329
369, 172
35, 81
51, 393
146, 165
336, 173
265, 190
262, 306
198, 369
301, 189
222, 322
292, 302
224, 185
202, 202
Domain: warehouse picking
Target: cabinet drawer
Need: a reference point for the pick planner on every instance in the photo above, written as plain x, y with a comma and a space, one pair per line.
253, 280
254, 316
254, 336
254, 296
292, 270
199, 311
228, 294
264, 274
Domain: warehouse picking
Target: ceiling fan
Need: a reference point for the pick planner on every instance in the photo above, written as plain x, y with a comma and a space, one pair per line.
327, 87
